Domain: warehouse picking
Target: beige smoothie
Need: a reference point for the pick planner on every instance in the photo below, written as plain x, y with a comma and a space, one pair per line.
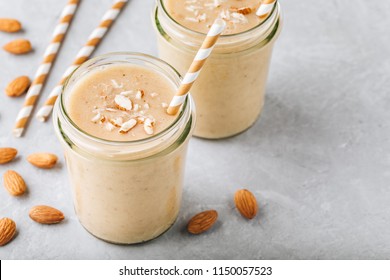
126, 167
229, 92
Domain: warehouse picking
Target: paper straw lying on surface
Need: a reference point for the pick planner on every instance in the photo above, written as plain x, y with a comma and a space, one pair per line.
204, 52
44, 69
83, 55
265, 8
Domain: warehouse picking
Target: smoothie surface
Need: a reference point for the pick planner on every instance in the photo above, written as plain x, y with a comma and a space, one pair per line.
121, 103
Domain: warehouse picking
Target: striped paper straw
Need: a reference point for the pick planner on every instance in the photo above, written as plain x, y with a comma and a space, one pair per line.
44, 69
93, 41
265, 8
204, 52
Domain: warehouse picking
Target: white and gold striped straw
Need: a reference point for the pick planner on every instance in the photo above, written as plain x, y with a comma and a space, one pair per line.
93, 41
44, 68
196, 66
265, 8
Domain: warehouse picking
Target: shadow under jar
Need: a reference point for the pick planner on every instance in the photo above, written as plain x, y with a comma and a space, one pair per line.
229, 92
125, 192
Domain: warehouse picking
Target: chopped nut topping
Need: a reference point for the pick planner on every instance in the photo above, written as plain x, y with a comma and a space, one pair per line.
230, 13
244, 11
139, 94
141, 119
109, 126
217, 3
123, 103
96, 118
116, 85
116, 122
192, 19
238, 18
127, 126
148, 126
202, 17
225, 14
122, 110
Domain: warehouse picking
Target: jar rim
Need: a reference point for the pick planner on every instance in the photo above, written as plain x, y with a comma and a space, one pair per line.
160, 4
130, 55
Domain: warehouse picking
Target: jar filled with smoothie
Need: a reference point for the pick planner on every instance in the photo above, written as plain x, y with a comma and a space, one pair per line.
125, 155
229, 92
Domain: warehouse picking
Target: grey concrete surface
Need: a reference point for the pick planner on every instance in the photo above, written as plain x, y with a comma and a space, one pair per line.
318, 160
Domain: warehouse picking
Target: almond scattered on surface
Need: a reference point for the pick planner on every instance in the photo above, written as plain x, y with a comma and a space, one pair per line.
44, 214
43, 160
10, 25
7, 154
7, 230
14, 183
202, 222
18, 46
18, 86
246, 203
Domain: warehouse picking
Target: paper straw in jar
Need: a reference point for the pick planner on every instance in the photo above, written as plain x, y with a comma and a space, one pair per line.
196, 66
85, 52
265, 8
43, 70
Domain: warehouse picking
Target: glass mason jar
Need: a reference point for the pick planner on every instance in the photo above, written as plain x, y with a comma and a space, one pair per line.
125, 192
229, 92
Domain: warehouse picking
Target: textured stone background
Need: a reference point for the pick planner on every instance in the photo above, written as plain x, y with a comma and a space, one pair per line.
318, 160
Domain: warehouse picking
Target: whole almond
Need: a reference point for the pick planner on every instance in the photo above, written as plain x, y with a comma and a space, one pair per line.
10, 25
246, 203
18, 86
43, 160
202, 222
7, 154
14, 183
18, 46
46, 215
7, 230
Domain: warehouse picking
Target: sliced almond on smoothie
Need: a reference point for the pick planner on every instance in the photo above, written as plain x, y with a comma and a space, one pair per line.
238, 18
126, 93
148, 126
123, 103
99, 118
109, 126
140, 93
127, 126
141, 119
244, 11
